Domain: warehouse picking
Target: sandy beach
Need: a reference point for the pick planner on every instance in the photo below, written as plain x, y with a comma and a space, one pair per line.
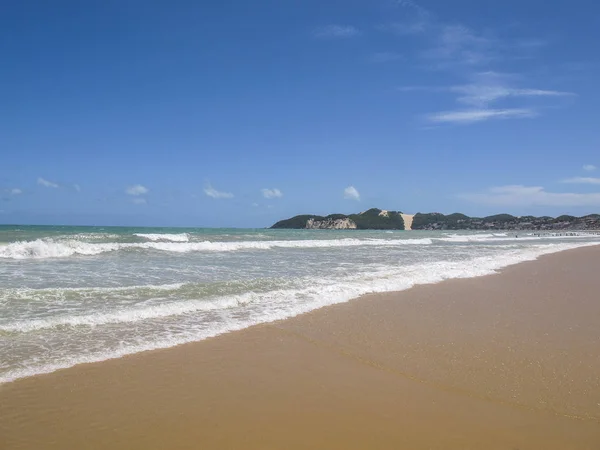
506, 361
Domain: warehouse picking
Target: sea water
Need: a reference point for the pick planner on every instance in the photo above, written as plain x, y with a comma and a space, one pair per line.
70, 295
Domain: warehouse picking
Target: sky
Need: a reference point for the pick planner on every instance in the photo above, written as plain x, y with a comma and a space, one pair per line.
239, 113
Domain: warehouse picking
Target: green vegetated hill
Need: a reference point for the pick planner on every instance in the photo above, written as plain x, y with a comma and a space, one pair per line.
457, 221
377, 219
372, 219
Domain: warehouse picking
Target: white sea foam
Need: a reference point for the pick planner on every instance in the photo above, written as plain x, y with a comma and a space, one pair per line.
129, 315
179, 243
264, 307
49, 248
504, 237
55, 294
182, 237
92, 236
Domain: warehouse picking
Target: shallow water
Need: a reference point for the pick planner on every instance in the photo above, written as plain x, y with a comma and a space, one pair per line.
80, 294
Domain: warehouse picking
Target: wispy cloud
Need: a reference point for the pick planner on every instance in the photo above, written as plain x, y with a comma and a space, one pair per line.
271, 193
351, 193
384, 57
589, 167
530, 43
484, 94
139, 200
77, 187
49, 184
416, 20
403, 28
480, 115
469, 53
418, 9
519, 195
420, 88
15, 191
136, 189
458, 44
212, 192
454, 45
336, 32
448, 44
486, 89
582, 180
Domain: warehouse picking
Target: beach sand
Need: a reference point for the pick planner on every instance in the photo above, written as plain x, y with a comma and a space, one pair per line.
507, 361
408, 220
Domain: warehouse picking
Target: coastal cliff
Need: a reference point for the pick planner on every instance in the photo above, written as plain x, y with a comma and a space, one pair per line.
330, 224
378, 219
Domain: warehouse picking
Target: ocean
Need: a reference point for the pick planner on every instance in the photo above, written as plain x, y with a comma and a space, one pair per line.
70, 295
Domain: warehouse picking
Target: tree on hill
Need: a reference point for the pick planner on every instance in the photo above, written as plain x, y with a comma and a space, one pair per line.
371, 220
296, 221
500, 218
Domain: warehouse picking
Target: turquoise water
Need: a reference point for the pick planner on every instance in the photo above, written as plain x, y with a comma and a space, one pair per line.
78, 294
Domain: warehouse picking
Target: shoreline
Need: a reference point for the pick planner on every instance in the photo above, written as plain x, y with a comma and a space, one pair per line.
506, 358
455, 270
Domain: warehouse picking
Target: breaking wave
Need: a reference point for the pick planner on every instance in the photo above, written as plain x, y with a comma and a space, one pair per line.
182, 237
50, 248
234, 312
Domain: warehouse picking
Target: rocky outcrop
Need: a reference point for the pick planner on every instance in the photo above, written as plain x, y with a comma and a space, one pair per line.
330, 224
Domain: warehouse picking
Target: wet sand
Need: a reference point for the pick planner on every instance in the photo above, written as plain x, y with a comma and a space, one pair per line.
507, 361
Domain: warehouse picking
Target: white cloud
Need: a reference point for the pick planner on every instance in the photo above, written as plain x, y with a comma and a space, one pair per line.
77, 187
42, 182
336, 32
518, 195
461, 50
136, 189
582, 180
271, 193
488, 87
139, 200
589, 167
483, 94
480, 115
212, 192
351, 193
485, 89
15, 191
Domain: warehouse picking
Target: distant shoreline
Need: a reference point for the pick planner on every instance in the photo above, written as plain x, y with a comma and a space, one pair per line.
378, 219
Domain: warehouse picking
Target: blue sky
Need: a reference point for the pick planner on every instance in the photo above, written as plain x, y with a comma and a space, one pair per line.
241, 113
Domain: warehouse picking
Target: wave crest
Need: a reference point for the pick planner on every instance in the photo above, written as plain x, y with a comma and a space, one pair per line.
49, 248
182, 237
